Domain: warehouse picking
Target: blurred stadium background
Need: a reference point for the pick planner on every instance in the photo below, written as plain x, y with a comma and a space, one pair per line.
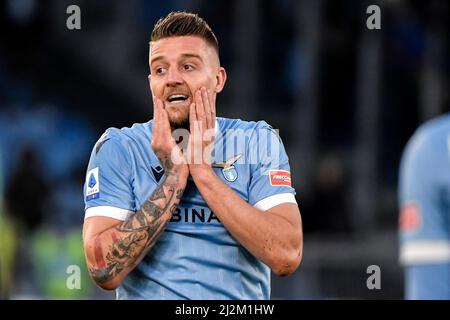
346, 99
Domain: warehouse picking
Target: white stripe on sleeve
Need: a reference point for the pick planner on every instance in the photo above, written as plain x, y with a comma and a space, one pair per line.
272, 201
425, 252
108, 211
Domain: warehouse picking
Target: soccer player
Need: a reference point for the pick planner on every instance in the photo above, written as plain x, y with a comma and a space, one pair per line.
197, 218
425, 211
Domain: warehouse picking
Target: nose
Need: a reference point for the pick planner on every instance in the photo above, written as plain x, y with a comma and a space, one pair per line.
173, 77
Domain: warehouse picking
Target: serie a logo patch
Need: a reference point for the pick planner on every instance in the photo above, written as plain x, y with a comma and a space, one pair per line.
280, 178
92, 185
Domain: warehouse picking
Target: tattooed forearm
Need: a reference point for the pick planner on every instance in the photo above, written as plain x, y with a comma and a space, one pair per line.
158, 194
128, 242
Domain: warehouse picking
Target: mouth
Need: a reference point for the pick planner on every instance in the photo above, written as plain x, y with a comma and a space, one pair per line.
177, 98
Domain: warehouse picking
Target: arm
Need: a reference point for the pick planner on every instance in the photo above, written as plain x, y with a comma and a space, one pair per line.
274, 236
113, 248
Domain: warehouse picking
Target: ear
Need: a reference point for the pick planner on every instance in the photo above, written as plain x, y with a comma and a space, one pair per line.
221, 78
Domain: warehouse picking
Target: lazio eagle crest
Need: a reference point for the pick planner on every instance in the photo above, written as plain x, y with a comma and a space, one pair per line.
228, 169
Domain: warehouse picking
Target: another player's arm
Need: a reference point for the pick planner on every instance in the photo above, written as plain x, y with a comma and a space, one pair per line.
275, 236
113, 248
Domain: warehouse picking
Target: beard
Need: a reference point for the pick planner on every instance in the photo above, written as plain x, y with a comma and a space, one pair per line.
179, 123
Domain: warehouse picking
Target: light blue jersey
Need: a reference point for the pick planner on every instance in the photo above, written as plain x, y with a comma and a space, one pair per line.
425, 211
195, 257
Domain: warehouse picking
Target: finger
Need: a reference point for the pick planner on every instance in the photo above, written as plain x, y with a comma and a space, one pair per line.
155, 111
192, 117
153, 97
200, 110
213, 103
161, 108
212, 100
207, 106
163, 119
164, 116
192, 122
156, 124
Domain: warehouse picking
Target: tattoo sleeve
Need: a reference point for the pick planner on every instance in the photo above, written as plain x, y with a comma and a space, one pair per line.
122, 247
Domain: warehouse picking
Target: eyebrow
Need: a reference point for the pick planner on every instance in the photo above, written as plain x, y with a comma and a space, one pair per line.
192, 55
184, 55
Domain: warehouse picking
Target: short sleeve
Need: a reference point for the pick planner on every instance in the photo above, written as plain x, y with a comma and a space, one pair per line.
270, 182
108, 190
424, 234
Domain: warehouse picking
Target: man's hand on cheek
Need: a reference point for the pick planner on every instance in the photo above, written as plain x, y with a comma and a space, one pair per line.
163, 143
202, 119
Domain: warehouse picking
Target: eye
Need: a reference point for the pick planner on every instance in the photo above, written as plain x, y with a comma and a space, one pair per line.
160, 70
188, 67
